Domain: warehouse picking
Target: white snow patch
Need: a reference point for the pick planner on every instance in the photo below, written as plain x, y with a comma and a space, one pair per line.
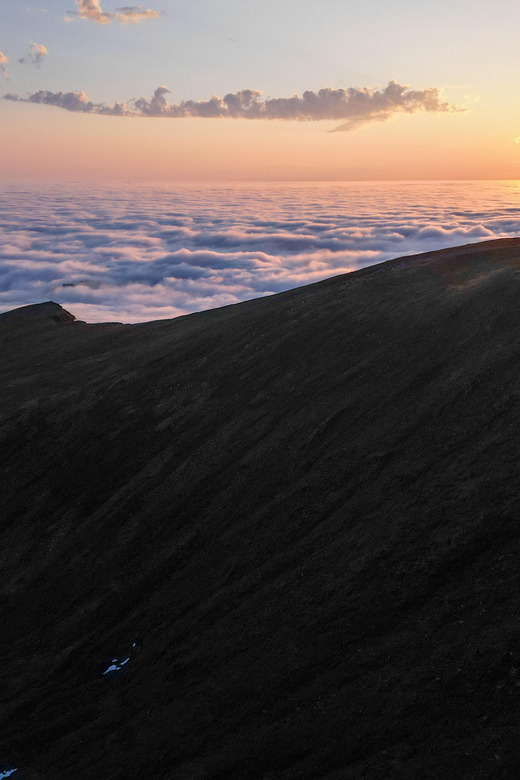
114, 667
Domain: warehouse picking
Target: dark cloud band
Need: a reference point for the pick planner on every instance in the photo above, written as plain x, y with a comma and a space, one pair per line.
352, 106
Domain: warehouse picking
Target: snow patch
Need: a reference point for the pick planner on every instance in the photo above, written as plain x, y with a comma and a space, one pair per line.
7, 771
116, 665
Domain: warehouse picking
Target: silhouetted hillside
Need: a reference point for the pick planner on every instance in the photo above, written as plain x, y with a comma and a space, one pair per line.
275, 540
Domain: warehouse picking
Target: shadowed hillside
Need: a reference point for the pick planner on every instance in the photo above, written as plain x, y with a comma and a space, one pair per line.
275, 540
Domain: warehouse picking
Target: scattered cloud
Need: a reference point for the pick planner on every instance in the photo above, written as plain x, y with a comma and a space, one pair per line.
3, 63
36, 53
139, 253
128, 14
356, 106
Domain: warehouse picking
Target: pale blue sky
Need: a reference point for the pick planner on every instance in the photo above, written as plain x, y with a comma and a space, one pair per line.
277, 46
200, 48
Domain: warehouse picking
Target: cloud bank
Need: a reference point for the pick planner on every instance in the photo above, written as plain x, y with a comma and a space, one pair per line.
36, 53
143, 253
128, 14
354, 106
3, 63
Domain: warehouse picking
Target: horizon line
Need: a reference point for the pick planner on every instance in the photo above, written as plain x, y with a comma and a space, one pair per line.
216, 182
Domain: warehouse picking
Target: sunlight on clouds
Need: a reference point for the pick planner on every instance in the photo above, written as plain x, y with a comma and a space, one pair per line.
91, 11
3, 63
355, 106
36, 53
142, 253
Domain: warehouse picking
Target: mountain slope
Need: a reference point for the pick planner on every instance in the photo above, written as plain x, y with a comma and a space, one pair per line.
297, 518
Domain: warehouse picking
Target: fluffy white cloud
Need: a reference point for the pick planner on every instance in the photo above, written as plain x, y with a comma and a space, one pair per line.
128, 14
3, 63
143, 253
36, 53
354, 106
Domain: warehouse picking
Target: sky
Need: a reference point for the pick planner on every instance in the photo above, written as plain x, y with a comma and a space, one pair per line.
259, 90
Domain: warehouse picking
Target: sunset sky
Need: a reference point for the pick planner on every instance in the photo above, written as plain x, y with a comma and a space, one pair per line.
452, 114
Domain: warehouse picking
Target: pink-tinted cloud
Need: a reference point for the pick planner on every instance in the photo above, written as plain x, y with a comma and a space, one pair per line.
136, 254
3, 63
129, 14
356, 106
36, 53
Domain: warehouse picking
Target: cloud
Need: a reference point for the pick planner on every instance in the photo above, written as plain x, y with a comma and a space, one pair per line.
356, 106
3, 63
36, 53
134, 13
128, 14
139, 253
70, 101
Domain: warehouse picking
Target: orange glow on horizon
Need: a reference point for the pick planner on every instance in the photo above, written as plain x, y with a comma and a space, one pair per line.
47, 143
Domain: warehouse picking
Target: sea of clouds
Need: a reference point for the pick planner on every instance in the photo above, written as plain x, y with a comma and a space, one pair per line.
136, 253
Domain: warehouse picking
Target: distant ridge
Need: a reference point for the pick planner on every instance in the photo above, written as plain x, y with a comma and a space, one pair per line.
37, 315
272, 541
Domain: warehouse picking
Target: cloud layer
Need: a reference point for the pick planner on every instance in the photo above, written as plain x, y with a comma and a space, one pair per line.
110, 253
128, 14
354, 106
3, 63
36, 53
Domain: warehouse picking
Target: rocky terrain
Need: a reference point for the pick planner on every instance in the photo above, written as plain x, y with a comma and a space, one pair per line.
276, 540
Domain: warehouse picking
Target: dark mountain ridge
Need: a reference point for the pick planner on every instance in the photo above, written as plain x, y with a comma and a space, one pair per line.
296, 517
